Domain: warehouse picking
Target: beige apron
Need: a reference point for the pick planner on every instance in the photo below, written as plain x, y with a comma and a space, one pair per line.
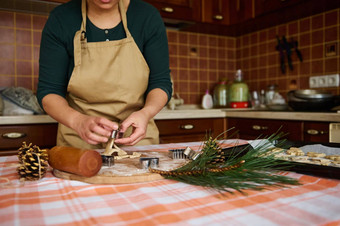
109, 79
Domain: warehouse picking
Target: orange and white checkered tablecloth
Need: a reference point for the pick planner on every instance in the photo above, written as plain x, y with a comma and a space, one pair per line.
54, 201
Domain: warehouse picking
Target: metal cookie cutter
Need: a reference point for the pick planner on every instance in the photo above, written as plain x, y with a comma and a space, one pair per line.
149, 162
191, 154
177, 153
108, 160
186, 153
107, 157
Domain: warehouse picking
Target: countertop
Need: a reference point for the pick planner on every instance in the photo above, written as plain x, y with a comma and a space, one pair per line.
194, 112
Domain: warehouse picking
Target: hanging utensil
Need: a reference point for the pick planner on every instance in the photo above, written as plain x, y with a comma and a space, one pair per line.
279, 47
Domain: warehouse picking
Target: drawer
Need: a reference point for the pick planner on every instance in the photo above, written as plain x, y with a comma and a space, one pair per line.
316, 132
255, 128
43, 135
184, 126
187, 130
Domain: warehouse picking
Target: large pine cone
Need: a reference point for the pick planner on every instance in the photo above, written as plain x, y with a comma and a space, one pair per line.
34, 162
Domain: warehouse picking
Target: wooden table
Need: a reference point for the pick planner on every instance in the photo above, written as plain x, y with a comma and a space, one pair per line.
54, 201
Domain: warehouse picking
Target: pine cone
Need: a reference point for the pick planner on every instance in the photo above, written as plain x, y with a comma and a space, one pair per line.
34, 162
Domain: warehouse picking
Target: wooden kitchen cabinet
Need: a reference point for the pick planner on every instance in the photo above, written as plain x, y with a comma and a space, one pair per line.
215, 11
189, 130
250, 129
189, 10
12, 136
269, 6
240, 11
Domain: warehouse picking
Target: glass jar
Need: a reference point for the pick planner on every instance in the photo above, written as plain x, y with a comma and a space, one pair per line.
239, 92
221, 94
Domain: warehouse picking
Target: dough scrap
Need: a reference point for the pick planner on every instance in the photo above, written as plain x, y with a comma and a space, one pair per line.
121, 154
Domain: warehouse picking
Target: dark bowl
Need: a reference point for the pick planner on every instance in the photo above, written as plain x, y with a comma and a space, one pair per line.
323, 104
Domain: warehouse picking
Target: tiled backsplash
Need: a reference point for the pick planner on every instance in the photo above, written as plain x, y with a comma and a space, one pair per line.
197, 61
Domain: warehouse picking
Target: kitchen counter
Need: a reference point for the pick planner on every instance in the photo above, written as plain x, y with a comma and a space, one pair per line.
192, 112
56, 201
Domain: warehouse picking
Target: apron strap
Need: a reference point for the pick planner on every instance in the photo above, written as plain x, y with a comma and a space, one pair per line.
83, 24
123, 16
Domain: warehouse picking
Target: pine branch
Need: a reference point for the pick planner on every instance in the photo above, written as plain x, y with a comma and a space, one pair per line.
235, 169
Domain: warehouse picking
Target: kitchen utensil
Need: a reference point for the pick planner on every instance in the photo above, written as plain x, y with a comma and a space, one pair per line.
85, 163
298, 53
312, 94
288, 51
111, 141
315, 100
279, 47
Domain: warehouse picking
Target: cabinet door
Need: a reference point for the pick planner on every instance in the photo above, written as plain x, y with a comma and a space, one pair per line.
215, 11
178, 9
189, 130
12, 137
251, 129
316, 132
270, 6
240, 10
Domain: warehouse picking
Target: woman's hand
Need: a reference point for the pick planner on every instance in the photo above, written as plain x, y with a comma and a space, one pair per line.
93, 130
138, 121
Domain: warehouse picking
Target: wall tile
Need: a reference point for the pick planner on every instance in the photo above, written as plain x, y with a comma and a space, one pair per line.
6, 19
39, 22
317, 21
6, 81
23, 21
7, 35
7, 67
7, 51
24, 52
305, 25
24, 68
331, 18
23, 37
331, 34
25, 82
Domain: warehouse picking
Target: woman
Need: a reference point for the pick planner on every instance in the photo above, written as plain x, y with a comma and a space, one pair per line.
96, 76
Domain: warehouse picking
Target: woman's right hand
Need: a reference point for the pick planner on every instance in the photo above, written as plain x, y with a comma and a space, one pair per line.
92, 129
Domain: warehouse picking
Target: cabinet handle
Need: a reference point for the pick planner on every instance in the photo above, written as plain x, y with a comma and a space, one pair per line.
218, 17
257, 127
187, 126
13, 135
316, 132
168, 9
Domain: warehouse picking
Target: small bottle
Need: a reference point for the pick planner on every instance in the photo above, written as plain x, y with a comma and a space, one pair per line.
220, 97
239, 92
207, 100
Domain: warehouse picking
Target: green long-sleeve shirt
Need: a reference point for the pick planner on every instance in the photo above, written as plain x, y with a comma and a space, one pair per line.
57, 54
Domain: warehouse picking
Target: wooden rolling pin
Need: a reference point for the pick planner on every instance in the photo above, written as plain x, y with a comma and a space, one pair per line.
74, 160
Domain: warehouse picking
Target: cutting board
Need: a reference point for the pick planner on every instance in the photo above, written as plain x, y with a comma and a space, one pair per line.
127, 171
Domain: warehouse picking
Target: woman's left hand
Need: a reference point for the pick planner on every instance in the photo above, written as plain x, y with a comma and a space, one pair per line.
138, 121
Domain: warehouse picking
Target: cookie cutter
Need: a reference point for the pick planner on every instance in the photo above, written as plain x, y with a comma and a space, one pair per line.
149, 162
186, 153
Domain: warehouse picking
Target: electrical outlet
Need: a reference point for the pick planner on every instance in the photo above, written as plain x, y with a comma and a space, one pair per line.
333, 80
324, 81
314, 82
